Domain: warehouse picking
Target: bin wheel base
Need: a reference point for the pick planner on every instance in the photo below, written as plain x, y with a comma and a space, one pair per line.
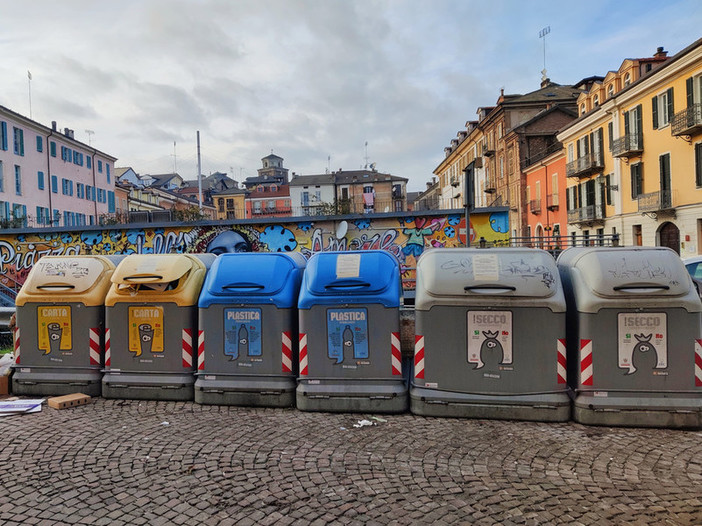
247, 399
54, 389
638, 418
132, 392
352, 404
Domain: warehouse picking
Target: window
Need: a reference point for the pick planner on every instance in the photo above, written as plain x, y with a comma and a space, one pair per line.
3, 135
80, 190
596, 101
40, 143
230, 204
698, 164
582, 109
18, 180
636, 180
662, 108
111, 202
40, 180
271, 205
499, 131
52, 148
305, 198
18, 140
570, 153
99, 166
608, 189
54, 184
89, 161
107, 170
610, 91
636, 234
2, 181
610, 133
627, 79
633, 126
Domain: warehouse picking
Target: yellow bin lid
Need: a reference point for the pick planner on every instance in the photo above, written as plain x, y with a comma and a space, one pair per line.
74, 279
149, 278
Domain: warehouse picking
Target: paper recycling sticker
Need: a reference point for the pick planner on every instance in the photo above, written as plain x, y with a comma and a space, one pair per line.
242, 333
347, 335
54, 328
642, 343
145, 330
490, 339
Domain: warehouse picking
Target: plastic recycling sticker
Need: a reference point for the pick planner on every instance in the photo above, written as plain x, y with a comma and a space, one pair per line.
490, 339
642, 343
347, 335
54, 328
242, 333
145, 330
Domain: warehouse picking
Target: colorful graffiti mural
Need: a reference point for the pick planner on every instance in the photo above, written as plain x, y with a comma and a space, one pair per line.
404, 236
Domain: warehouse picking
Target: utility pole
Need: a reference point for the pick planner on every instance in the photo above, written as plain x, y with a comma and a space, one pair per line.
469, 199
199, 173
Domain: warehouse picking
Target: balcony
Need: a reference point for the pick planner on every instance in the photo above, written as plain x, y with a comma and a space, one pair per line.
654, 202
585, 165
687, 122
490, 186
586, 214
627, 146
488, 151
535, 206
552, 202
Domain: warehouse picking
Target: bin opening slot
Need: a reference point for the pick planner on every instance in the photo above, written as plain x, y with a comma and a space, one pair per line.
640, 288
58, 287
490, 289
347, 284
144, 278
244, 285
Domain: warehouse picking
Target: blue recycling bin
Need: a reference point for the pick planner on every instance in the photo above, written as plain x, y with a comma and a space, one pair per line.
350, 356
247, 338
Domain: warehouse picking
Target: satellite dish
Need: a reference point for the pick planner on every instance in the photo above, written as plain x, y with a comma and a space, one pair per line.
342, 229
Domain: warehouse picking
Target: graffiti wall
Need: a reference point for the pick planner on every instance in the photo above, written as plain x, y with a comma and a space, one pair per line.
404, 236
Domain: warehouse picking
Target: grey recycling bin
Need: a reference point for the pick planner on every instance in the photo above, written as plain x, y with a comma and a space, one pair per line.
60, 326
490, 335
151, 320
349, 310
634, 346
247, 330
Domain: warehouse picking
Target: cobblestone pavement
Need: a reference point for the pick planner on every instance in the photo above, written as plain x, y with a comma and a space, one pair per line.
130, 462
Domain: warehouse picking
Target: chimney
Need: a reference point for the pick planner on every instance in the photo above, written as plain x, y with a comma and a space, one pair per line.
660, 53
429, 184
65, 131
53, 125
545, 82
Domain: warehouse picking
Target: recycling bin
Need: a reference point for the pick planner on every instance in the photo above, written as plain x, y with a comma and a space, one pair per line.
633, 337
60, 329
490, 335
151, 320
247, 331
349, 311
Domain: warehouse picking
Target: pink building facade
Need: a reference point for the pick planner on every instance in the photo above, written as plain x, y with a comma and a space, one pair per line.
47, 178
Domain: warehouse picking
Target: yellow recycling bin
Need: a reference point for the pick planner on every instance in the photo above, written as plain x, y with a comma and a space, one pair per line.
59, 339
151, 319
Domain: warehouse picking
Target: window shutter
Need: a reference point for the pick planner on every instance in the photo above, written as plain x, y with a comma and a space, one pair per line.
3, 131
626, 123
688, 87
698, 164
671, 104
632, 170
610, 132
600, 140
608, 189
639, 126
654, 110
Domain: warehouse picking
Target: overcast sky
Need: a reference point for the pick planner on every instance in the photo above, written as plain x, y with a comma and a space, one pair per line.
308, 80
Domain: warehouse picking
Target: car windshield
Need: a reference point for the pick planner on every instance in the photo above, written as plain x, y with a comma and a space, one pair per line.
695, 269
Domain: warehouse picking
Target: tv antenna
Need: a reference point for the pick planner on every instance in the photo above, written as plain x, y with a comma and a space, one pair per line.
542, 34
90, 136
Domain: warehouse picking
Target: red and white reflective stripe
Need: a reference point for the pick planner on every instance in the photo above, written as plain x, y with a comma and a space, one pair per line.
287, 352
419, 356
698, 363
94, 346
585, 362
201, 350
561, 367
17, 344
108, 356
396, 353
187, 348
303, 353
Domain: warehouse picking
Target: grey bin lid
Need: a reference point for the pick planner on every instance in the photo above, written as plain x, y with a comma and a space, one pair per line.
646, 277
501, 276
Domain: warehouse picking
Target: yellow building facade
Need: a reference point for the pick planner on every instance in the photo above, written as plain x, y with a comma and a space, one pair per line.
634, 154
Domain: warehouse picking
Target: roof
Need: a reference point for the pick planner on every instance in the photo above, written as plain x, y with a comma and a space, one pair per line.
230, 191
305, 180
364, 176
161, 179
272, 156
551, 93
281, 191
544, 113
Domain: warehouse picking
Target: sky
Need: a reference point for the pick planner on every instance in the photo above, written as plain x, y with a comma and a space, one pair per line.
325, 84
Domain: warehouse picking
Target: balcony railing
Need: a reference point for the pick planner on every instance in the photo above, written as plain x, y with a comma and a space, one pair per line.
585, 165
628, 145
490, 186
535, 206
657, 201
586, 214
488, 151
687, 121
552, 202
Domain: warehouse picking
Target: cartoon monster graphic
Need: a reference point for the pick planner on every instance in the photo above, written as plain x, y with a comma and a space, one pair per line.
645, 355
491, 351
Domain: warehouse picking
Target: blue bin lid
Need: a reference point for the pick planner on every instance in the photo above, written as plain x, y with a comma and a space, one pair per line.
371, 276
254, 278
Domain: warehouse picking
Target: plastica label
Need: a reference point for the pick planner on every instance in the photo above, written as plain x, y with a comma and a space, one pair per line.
347, 335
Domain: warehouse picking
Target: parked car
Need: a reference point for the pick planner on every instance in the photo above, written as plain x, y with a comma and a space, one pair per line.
694, 268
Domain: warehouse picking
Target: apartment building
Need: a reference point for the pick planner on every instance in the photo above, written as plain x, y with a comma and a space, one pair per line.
230, 203
312, 195
48, 178
634, 155
369, 191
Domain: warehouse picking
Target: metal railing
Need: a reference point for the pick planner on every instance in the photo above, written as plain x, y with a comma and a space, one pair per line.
535, 206
585, 165
586, 214
552, 201
628, 145
656, 201
687, 121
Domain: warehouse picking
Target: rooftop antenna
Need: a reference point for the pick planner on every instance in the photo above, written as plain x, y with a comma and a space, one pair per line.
366, 167
174, 158
542, 34
328, 163
90, 137
29, 83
